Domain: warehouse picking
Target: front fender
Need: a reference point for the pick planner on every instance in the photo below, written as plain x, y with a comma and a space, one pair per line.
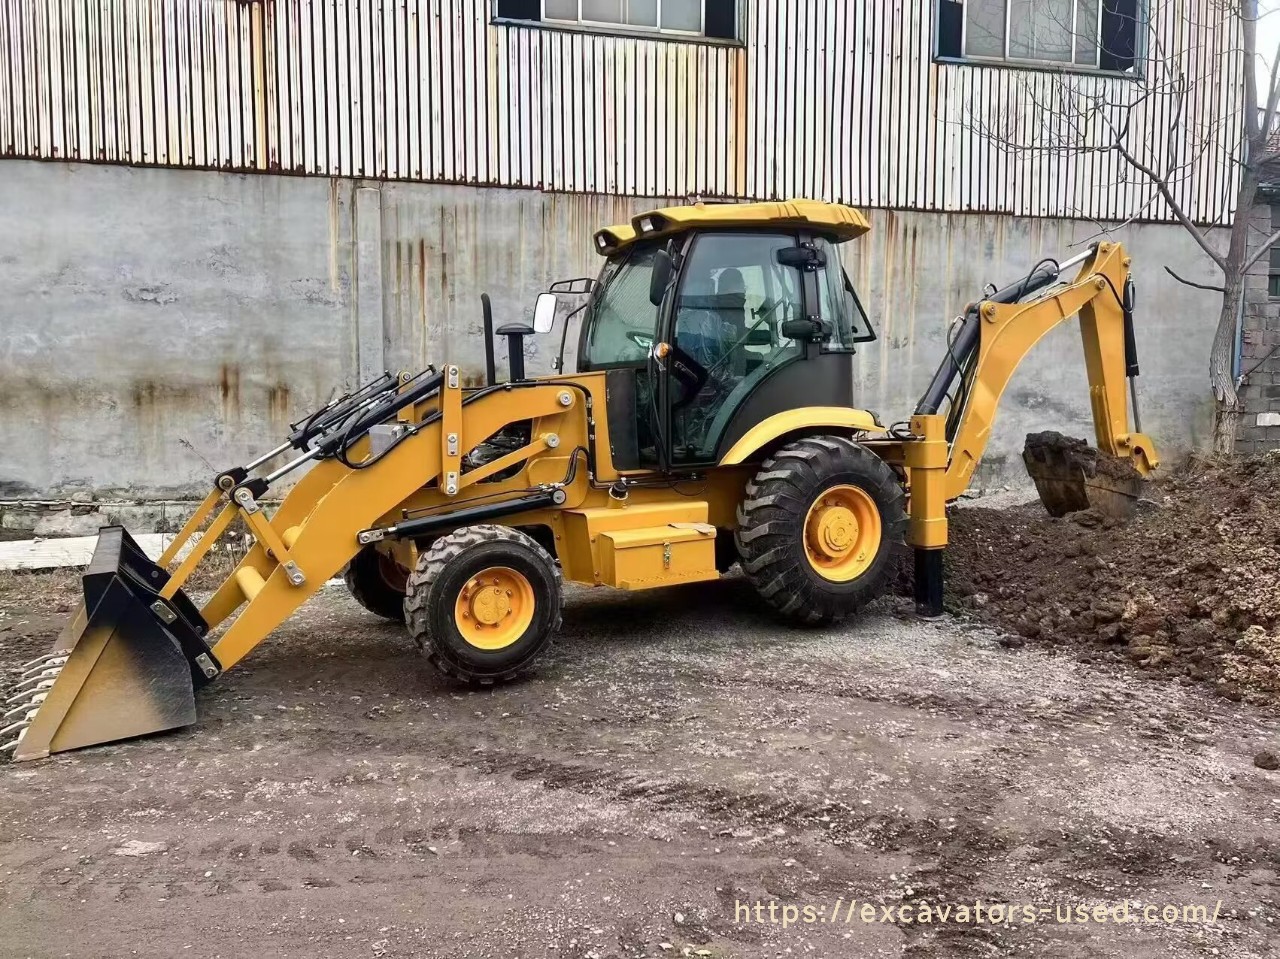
806, 421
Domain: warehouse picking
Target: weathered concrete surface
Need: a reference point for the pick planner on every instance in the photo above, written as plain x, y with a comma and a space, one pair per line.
151, 309
148, 308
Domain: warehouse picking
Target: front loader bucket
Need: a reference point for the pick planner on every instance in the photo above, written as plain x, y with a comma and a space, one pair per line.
126, 665
1070, 475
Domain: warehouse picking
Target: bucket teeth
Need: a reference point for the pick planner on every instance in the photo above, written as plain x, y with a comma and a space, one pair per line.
49, 662
30, 703
38, 678
20, 726
38, 688
39, 660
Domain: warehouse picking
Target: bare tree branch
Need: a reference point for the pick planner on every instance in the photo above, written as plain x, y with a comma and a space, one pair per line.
1266, 246
1179, 213
1198, 286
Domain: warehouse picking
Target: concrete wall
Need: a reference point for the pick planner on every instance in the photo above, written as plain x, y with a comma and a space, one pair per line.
160, 323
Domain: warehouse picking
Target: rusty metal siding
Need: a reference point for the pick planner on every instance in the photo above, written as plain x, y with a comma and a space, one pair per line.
824, 98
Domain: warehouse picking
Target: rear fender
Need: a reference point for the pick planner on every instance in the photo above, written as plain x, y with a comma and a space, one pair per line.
794, 424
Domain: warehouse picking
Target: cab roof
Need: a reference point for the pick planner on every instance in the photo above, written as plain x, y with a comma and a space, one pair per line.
837, 222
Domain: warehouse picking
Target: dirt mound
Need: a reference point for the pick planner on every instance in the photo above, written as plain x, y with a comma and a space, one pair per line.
1191, 584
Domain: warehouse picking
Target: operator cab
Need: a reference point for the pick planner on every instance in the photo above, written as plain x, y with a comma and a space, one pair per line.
709, 319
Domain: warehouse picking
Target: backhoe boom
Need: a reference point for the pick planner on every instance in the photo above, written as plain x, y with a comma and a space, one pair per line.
992, 339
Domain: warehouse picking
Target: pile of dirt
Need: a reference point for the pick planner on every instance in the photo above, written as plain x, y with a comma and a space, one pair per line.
1190, 585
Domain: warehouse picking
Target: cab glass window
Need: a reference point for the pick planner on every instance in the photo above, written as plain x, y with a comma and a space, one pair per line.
839, 305
622, 321
733, 300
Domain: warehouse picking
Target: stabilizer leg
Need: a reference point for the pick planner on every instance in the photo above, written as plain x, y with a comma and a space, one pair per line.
928, 582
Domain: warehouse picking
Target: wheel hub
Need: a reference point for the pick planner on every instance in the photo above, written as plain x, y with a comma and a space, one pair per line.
838, 530
494, 608
842, 533
489, 604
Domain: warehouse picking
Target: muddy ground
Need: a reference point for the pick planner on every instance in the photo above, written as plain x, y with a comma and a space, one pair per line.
1188, 588
677, 754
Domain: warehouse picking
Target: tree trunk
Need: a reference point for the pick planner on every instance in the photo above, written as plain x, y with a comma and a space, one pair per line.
1226, 409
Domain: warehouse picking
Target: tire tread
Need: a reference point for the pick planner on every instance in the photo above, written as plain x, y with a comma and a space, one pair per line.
770, 526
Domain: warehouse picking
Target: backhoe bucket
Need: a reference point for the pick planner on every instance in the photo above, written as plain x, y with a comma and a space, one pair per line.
1070, 475
126, 665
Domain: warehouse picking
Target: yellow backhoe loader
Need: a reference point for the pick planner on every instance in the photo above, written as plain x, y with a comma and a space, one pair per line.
710, 422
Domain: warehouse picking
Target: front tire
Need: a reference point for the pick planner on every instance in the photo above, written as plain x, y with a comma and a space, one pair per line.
377, 582
819, 528
483, 603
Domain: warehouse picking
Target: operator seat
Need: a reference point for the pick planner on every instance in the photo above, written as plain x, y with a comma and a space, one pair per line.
731, 304
704, 336
699, 329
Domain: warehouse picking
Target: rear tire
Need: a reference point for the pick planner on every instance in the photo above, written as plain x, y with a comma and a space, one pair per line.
483, 603
377, 582
819, 528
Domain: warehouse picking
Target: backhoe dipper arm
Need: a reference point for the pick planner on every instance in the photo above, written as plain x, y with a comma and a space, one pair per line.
995, 335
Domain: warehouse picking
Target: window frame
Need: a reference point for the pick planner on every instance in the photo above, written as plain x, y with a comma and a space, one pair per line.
655, 34
607, 25
1136, 72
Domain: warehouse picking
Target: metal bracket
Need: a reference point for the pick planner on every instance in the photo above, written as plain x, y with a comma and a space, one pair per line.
666, 555
453, 444
206, 666
246, 501
367, 536
451, 484
453, 377
164, 612
295, 575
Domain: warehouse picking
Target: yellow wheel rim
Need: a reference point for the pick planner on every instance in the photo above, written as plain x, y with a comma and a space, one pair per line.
494, 608
842, 533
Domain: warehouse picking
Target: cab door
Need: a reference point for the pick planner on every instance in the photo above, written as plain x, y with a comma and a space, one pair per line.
724, 326
617, 336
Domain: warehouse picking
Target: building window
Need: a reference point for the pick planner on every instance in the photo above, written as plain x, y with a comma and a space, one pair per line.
1082, 34
1273, 275
677, 18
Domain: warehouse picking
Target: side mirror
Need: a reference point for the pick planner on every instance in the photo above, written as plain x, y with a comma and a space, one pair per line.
544, 313
660, 278
808, 331
806, 257
575, 287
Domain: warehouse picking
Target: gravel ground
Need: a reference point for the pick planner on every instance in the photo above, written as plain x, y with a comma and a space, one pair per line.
677, 754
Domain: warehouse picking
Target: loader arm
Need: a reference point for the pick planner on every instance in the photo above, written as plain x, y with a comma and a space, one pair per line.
988, 344
132, 656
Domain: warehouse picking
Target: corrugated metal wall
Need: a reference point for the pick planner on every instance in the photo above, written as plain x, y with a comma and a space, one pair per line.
826, 98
